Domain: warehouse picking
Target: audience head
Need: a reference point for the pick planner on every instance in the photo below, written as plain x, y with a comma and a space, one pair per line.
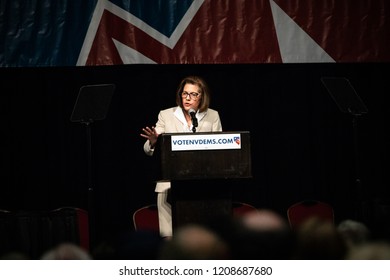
264, 220
318, 239
66, 251
194, 242
354, 232
371, 250
262, 234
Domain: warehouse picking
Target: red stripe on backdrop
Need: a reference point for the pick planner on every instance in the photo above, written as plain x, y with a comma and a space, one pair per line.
221, 32
231, 32
104, 51
244, 32
348, 30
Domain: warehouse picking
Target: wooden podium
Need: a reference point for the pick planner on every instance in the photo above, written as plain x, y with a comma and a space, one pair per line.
203, 168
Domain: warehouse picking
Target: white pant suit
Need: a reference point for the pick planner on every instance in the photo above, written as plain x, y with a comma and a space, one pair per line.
172, 120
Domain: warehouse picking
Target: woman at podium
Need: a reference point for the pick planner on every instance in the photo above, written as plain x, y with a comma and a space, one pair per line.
191, 114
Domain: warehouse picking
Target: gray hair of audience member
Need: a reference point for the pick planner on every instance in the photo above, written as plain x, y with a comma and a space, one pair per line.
66, 251
354, 232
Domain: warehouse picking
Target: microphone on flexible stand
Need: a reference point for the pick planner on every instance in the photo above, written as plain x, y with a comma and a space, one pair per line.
194, 119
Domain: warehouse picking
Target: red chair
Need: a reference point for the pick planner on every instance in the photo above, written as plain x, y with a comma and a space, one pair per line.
303, 210
241, 208
146, 218
72, 219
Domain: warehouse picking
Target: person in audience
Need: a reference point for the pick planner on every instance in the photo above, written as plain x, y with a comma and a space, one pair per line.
318, 239
370, 250
66, 251
262, 234
195, 242
354, 232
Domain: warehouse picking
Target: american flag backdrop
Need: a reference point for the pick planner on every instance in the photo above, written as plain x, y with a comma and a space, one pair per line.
109, 32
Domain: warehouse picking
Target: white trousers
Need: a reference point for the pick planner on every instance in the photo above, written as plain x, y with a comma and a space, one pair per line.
164, 214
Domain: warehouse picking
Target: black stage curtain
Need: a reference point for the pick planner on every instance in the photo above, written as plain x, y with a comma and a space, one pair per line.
302, 144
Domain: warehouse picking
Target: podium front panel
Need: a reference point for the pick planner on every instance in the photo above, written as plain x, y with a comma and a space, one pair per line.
206, 164
200, 201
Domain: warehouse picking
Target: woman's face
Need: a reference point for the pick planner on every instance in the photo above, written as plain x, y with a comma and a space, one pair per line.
189, 98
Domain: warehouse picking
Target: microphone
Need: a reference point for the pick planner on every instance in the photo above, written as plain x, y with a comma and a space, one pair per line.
193, 118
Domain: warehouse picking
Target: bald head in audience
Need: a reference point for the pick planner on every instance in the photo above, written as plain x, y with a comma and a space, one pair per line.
196, 242
264, 220
263, 234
